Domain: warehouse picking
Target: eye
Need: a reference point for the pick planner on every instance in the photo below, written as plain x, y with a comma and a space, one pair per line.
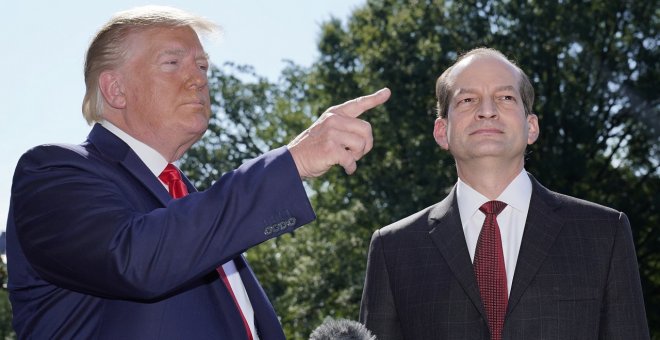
465, 101
170, 65
507, 98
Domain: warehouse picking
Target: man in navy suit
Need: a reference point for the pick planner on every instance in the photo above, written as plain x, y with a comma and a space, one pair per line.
100, 247
563, 268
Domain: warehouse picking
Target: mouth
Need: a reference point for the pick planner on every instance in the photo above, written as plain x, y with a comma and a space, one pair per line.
197, 103
487, 131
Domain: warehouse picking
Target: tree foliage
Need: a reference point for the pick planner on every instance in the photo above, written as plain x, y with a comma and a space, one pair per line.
6, 330
594, 67
245, 122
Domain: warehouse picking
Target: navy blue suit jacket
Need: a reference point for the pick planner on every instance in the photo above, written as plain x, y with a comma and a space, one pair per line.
97, 249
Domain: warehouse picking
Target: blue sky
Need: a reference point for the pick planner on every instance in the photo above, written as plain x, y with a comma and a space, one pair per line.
44, 42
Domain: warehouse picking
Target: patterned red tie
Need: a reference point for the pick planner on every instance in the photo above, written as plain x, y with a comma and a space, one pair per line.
489, 269
177, 189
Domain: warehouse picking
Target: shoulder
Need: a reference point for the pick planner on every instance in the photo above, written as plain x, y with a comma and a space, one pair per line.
57, 150
567, 205
415, 221
577, 206
101, 146
419, 223
577, 216
424, 220
57, 155
50, 162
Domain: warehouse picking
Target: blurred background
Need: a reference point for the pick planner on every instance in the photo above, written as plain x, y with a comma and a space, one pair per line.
594, 66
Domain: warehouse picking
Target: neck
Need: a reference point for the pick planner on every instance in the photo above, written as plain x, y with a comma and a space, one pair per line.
489, 178
167, 147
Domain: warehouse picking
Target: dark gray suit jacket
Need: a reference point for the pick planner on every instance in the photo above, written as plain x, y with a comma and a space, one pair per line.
576, 276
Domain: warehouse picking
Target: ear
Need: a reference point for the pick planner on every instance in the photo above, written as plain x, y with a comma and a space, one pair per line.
440, 133
112, 89
532, 128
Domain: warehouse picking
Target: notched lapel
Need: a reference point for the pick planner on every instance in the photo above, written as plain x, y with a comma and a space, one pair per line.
447, 234
133, 164
541, 230
114, 148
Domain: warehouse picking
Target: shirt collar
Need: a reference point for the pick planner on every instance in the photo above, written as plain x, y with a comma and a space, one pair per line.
517, 195
149, 156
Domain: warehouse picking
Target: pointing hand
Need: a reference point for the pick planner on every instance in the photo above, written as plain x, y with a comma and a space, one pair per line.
337, 137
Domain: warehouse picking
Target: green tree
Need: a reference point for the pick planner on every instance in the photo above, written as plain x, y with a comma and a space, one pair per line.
6, 330
243, 124
594, 67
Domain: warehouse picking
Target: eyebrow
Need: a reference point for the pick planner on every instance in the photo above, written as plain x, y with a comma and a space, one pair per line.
179, 52
470, 90
505, 88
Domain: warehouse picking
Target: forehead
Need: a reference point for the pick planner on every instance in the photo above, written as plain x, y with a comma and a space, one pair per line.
155, 40
479, 71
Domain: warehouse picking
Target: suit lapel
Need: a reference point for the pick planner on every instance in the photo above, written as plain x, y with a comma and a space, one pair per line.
541, 229
114, 148
448, 236
136, 167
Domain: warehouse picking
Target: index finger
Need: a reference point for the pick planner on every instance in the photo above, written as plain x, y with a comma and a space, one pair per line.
355, 107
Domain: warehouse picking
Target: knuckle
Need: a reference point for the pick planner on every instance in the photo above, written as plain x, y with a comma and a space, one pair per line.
367, 127
328, 119
331, 109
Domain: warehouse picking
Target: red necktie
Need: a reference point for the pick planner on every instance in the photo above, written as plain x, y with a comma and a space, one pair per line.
172, 178
489, 269
177, 189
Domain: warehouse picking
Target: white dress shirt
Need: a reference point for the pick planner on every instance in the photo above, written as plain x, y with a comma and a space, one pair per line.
157, 163
511, 220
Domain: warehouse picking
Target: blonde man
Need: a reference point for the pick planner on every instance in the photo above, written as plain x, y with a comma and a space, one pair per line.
107, 239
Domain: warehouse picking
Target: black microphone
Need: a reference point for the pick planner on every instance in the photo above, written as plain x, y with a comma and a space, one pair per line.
341, 329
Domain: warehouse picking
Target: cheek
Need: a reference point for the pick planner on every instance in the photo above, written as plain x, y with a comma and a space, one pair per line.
145, 94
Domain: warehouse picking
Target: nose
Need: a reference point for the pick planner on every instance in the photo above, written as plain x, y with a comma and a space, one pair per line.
197, 77
487, 109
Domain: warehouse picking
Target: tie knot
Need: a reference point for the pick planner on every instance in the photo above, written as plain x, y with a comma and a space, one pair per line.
172, 178
171, 173
492, 207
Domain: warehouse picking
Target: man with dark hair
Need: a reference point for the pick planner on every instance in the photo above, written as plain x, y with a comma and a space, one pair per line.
501, 257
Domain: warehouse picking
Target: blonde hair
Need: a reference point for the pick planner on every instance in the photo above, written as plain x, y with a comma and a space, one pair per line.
443, 85
107, 50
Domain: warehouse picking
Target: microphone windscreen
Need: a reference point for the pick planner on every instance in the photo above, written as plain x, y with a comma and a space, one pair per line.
341, 329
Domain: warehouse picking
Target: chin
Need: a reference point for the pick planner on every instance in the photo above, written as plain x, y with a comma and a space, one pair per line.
199, 133
200, 124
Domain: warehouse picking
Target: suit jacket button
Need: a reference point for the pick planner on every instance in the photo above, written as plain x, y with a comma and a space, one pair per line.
268, 230
291, 221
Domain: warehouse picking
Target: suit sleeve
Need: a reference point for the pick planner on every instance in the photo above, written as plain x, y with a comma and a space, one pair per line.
84, 230
378, 311
623, 315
